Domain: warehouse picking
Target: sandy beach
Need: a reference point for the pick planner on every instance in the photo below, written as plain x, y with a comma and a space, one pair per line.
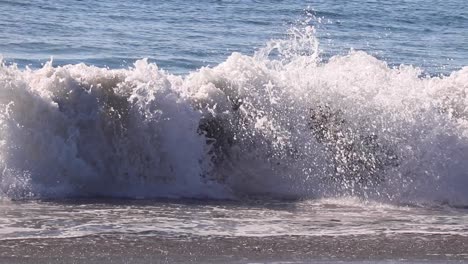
197, 249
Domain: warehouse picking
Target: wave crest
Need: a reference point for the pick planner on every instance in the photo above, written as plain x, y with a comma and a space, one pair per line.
280, 123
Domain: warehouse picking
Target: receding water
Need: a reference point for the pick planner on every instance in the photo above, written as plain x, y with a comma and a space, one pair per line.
166, 218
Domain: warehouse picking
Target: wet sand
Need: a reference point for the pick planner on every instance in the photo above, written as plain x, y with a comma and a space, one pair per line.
141, 248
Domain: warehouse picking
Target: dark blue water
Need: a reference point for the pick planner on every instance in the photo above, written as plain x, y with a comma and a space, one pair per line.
430, 34
181, 36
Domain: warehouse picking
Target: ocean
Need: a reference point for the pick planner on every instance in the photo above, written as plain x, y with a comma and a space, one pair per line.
233, 131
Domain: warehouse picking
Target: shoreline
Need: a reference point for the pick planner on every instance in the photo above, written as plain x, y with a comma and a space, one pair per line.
141, 248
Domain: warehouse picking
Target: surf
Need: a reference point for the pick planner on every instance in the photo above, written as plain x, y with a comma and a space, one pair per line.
282, 123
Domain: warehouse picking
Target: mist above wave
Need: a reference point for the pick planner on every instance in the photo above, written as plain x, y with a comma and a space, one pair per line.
281, 123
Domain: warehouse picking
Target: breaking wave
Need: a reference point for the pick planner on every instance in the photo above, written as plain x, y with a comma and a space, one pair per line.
281, 123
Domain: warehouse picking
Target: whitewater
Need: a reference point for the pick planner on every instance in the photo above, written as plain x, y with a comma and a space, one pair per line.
281, 123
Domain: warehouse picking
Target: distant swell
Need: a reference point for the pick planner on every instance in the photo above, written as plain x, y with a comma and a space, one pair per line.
281, 123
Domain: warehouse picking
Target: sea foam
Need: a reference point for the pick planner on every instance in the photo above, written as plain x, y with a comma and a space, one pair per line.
281, 123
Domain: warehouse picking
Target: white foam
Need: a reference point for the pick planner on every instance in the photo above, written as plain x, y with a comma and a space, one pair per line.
283, 125
330, 217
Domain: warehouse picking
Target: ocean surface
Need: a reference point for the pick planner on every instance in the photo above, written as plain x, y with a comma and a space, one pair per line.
233, 131
183, 36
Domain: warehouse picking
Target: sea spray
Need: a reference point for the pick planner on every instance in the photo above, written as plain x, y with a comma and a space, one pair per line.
281, 123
